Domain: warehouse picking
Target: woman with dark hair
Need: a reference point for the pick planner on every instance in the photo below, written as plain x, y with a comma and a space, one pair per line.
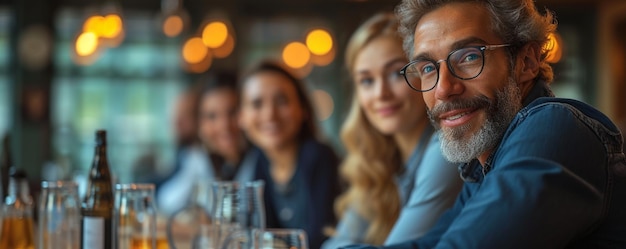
300, 172
221, 154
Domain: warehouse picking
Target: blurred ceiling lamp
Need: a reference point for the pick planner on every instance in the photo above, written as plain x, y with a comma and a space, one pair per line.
173, 25
86, 49
553, 48
93, 24
226, 49
194, 50
319, 42
296, 55
196, 57
176, 18
214, 34
324, 104
111, 26
86, 44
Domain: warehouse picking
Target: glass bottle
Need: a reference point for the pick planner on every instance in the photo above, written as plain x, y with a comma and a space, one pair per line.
97, 206
17, 224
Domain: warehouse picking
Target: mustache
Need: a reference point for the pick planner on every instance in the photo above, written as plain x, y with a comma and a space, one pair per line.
480, 101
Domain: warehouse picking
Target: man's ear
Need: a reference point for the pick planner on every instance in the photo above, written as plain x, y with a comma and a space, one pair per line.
528, 62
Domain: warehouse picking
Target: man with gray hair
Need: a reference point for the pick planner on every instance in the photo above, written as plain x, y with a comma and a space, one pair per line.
539, 171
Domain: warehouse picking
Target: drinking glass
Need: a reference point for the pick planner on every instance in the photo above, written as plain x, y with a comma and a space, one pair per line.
190, 227
238, 207
272, 238
136, 217
59, 216
279, 239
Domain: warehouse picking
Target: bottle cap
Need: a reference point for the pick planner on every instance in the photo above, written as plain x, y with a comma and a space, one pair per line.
101, 137
17, 173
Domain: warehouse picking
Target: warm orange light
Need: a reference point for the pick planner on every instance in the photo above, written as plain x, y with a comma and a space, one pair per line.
93, 24
296, 55
319, 42
553, 48
86, 44
226, 49
111, 26
173, 26
194, 50
214, 34
324, 104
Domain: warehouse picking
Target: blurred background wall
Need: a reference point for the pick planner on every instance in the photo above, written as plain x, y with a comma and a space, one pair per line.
69, 67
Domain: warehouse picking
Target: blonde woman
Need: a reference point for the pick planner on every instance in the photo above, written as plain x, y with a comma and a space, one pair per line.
399, 182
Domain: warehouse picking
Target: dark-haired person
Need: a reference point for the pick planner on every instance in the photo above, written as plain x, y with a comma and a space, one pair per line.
300, 172
221, 153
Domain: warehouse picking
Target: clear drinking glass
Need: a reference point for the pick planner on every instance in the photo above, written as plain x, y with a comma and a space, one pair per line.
272, 238
238, 208
279, 239
136, 217
189, 227
59, 216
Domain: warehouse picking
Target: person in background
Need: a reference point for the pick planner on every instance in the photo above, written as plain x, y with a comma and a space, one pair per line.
399, 182
221, 153
300, 172
539, 171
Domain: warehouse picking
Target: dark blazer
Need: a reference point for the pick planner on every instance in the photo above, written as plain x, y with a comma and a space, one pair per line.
318, 176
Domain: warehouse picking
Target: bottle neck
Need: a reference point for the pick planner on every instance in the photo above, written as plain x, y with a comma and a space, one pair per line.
100, 155
19, 190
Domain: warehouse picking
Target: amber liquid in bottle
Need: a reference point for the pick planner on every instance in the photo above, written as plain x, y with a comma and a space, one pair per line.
97, 205
17, 222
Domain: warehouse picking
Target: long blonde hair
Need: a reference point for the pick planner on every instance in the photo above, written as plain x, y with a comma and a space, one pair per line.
373, 159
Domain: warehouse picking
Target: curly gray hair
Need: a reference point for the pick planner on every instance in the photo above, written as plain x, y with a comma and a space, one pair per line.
516, 21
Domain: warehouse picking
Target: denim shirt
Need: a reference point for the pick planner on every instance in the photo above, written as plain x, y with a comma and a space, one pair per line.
556, 180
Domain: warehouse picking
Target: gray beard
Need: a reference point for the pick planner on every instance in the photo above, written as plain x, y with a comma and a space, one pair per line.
500, 113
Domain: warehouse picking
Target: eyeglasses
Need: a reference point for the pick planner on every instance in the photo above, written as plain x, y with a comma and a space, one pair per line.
466, 63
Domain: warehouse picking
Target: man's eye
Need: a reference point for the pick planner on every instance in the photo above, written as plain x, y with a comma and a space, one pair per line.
428, 68
471, 57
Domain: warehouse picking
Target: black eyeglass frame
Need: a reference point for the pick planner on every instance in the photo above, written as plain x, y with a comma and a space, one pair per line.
437, 65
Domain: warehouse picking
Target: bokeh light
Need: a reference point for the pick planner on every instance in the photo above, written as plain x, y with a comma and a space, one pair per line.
296, 55
214, 34
324, 104
86, 43
93, 24
194, 50
173, 25
111, 26
319, 42
108, 27
553, 48
226, 49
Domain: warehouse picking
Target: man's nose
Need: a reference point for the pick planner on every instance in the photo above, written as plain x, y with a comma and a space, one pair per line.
448, 85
